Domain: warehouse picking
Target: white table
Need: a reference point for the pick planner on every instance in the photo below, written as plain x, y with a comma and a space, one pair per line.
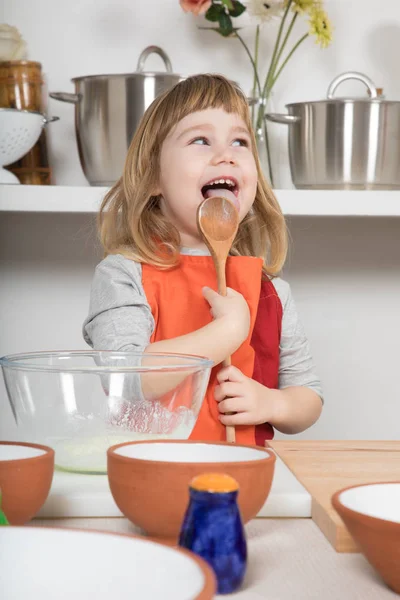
289, 559
76, 495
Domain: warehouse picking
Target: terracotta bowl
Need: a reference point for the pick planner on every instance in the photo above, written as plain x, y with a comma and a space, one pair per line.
371, 513
149, 480
26, 473
48, 563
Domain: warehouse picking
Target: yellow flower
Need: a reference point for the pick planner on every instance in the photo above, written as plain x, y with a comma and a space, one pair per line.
320, 26
304, 6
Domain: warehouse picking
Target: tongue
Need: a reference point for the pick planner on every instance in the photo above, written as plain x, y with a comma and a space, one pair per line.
221, 192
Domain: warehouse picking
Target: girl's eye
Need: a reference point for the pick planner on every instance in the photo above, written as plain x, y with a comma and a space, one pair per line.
200, 141
203, 141
241, 142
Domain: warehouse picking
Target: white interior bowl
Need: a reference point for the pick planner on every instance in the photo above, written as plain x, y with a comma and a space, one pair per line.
378, 500
149, 480
190, 453
19, 132
43, 564
14, 452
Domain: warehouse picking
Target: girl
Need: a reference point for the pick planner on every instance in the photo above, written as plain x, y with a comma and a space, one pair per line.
154, 290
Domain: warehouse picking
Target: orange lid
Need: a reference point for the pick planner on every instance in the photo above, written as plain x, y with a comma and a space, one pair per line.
214, 482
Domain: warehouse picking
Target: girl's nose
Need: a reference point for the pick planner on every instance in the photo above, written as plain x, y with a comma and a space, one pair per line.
223, 155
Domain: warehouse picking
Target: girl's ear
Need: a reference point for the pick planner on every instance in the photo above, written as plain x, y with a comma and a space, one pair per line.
156, 190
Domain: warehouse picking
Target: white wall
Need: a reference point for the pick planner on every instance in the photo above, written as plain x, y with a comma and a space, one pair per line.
344, 272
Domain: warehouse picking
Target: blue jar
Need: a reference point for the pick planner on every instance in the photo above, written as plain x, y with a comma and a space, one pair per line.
213, 529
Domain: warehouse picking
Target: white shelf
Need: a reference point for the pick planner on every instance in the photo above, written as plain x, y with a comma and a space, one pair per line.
69, 199
51, 198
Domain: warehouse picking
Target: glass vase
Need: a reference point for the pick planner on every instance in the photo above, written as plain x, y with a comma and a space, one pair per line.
259, 108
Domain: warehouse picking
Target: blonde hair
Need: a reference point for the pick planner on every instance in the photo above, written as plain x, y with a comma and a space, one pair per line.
130, 219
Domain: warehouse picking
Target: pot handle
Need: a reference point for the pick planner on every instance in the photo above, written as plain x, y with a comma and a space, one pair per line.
64, 97
47, 120
284, 119
153, 50
351, 75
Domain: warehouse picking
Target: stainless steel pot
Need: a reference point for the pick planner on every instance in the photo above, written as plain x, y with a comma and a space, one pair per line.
344, 143
108, 109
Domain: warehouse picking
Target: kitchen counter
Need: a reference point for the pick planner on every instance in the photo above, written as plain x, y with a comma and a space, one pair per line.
288, 558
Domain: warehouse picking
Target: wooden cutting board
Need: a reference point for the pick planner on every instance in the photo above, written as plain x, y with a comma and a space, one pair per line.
324, 467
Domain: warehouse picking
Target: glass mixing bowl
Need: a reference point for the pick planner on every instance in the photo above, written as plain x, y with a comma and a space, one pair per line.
81, 403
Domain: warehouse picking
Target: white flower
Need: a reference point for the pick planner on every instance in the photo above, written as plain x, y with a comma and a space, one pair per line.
265, 10
12, 46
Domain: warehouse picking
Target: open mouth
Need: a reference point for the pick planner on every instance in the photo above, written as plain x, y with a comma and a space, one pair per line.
226, 187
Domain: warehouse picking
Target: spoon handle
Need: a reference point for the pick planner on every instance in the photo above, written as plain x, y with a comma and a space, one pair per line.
221, 276
221, 280
230, 433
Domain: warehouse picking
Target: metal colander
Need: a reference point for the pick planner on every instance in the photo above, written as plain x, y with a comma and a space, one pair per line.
19, 132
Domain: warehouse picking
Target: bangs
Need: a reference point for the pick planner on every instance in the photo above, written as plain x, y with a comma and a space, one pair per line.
198, 93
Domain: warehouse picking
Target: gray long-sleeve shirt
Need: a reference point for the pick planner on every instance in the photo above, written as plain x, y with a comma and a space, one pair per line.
120, 319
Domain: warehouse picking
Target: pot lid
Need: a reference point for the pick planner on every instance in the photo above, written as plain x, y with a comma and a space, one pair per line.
140, 67
346, 100
375, 94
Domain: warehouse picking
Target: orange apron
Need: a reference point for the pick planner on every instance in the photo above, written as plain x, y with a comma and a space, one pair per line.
178, 308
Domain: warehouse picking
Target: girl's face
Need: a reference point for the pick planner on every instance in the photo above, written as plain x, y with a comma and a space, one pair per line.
207, 153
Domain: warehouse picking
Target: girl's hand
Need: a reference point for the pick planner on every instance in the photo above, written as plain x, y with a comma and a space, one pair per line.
233, 310
252, 402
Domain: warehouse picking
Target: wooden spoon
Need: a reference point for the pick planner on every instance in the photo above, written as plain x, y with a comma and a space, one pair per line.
218, 222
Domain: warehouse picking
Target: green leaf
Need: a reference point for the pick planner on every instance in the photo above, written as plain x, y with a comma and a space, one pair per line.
3, 519
228, 4
222, 31
225, 24
237, 9
213, 12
